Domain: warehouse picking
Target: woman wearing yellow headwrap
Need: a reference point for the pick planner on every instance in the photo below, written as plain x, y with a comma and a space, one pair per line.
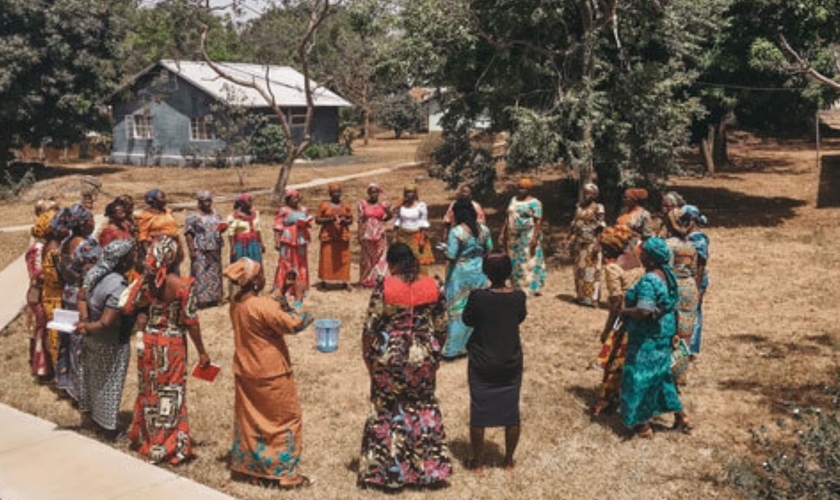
268, 426
522, 235
39, 359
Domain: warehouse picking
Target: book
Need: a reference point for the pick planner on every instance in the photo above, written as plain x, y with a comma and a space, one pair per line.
209, 373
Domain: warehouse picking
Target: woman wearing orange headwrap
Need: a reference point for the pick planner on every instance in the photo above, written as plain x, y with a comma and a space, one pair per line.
522, 235
291, 239
334, 217
634, 216
622, 270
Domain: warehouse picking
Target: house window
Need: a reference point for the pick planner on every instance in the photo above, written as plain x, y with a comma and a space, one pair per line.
297, 118
141, 127
200, 129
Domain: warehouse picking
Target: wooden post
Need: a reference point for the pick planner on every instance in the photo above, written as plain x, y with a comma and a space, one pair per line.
817, 127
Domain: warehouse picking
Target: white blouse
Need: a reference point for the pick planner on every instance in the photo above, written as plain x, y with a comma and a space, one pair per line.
412, 218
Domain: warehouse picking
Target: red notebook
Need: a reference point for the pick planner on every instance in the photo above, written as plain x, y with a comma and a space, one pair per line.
209, 374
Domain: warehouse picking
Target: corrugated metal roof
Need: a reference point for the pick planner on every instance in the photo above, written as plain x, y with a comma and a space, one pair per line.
285, 83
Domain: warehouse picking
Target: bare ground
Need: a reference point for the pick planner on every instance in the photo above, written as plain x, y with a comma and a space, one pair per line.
771, 344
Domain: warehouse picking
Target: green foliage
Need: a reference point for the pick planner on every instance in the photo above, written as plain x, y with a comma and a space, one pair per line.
398, 112
317, 151
57, 61
799, 461
462, 159
269, 145
12, 187
534, 142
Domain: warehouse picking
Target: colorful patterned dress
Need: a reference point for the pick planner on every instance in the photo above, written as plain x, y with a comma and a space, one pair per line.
587, 223
637, 220
647, 385
466, 255
244, 230
701, 243
685, 267
160, 429
206, 268
404, 439
411, 223
291, 236
372, 242
51, 295
614, 350
334, 261
39, 359
113, 232
528, 270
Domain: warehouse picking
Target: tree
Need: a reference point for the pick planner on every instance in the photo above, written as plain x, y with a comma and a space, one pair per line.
398, 112
57, 60
613, 77
237, 126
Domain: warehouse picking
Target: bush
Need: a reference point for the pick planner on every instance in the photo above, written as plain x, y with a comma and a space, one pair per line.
12, 187
320, 151
534, 142
399, 113
269, 145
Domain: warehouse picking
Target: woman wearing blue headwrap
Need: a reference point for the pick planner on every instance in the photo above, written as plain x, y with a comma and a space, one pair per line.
700, 241
647, 387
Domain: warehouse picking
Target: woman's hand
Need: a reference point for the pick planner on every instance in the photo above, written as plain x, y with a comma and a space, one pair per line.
81, 328
204, 360
532, 247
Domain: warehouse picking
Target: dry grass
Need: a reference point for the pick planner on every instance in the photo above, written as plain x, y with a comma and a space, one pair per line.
12, 245
769, 341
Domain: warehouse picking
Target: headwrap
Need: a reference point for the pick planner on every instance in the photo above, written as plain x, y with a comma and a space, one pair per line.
111, 256
674, 197
160, 256
204, 195
616, 238
526, 183
636, 194
291, 192
40, 206
152, 195
410, 188
127, 201
243, 271
334, 186
692, 213
88, 252
375, 187
73, 218
658, 251
42, 225
244, 197
591, 186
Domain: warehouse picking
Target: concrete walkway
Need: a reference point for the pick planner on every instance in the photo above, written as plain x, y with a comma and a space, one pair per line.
41, 462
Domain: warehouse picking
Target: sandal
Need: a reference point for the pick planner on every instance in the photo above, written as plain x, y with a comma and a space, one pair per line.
683, 424
644, 431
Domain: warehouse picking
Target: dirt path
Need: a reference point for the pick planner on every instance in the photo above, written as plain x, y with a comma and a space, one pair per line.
769, 348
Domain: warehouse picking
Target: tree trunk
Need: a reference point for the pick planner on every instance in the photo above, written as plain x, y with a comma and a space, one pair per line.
707, 150
366, 112
586, 165
721, 151
282, 180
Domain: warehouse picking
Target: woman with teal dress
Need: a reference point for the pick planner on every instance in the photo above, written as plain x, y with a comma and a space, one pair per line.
468, 242
522, 235
700, 241
647, 387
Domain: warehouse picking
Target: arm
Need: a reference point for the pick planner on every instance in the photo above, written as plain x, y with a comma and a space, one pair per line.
615, 304
423, 212
191, 245
373, 324
323, 216
194, 330
535, 238
110, 317
452, 246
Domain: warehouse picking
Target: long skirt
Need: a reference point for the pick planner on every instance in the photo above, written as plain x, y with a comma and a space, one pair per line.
611, 360
247, 246
372, 264
106, 363
206, 268
160, 429
697, 333
588, 263
70, 372
528, 270
463, 278
689, 300
404, 442
291, 259
494, 403
415, 240
334, 262
39, 359
51, 300
268, 429
647, 385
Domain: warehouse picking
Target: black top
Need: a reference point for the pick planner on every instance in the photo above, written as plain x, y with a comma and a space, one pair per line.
495, 351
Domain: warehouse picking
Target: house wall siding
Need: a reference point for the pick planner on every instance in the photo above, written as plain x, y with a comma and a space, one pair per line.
171, 105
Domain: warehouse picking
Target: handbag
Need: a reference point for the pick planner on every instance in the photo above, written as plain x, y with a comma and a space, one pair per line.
680, 358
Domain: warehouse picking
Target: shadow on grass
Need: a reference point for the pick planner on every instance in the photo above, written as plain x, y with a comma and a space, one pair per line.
609, 419
494, 455
44, 172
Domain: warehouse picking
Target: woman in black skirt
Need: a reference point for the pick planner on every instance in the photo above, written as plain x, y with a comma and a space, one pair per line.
495, 357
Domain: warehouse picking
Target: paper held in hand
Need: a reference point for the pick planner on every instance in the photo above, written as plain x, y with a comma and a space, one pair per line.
64, 320
209, 374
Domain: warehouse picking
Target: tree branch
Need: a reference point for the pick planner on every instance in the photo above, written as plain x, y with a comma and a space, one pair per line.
804, 66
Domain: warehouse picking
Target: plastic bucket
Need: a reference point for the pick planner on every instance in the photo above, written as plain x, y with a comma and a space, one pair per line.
326, 334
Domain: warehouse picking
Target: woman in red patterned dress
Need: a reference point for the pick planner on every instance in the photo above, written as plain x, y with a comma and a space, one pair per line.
166, 311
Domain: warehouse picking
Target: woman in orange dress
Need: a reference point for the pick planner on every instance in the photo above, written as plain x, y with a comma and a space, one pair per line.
334, 217
166, 313
268, 429
156, 220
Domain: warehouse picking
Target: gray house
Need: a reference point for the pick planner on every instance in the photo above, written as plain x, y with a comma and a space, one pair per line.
162, 116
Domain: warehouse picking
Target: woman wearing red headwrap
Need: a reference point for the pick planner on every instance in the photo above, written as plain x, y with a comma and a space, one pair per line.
634, 216
291, 239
